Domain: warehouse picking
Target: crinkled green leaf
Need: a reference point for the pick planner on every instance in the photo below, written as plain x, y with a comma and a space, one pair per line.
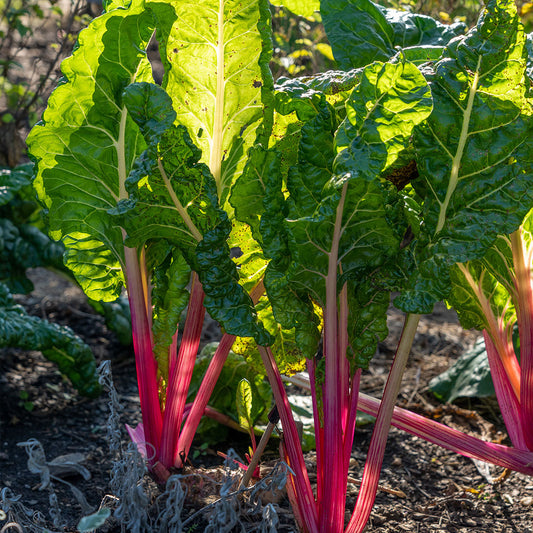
225, 299
247, 255
361, 31
87, 144
173, 197
295, 95
216, 58
12, 181
473, 153
419, 55
287, 349
23, 247
169, 298
368, 303
342, 180
390, 99
248, 193
57, 343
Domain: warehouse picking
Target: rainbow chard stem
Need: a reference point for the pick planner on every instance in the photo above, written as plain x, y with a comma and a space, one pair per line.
144, 358
181, 375
376, 452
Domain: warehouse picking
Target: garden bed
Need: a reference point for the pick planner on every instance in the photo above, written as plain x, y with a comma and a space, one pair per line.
433, 490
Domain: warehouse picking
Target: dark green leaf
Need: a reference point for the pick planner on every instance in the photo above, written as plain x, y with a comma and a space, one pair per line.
468, 377
361, 32
473, 153
57, 343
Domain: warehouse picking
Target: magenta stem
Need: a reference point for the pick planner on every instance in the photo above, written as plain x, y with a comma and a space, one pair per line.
352, 418
376, 452
202, 398
304, 494
331, 515
181, 374
319, 432
144, 358
452, 439
525, 329
507, 399
206, 388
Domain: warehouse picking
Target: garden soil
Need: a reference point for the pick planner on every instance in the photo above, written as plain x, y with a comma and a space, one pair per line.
424, 489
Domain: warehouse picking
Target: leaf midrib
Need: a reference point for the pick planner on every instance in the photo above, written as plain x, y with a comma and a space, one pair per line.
215, 157
456, 162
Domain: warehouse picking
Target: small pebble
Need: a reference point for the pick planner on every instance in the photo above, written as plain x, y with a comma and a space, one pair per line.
507, 498
527, 501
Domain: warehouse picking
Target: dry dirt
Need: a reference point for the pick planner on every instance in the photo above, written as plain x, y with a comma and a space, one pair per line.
434, 491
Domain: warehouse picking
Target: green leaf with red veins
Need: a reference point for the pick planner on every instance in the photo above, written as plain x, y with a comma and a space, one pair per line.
87, 144
473, 154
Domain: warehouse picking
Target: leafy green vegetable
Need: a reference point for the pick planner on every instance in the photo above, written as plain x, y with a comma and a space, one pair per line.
468, 377
216, 91
57, 343
224, 395
473, 152
83, 162
244, 402
361, 31
22, 243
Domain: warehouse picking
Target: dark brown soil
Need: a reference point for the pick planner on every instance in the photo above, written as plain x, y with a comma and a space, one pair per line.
434, 491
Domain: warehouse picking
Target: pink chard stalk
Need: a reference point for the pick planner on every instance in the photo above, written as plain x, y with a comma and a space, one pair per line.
495, 295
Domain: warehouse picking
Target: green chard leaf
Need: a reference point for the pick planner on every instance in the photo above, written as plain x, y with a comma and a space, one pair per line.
13, 181
223, 398
169, 298
361, 31
478, 296
173, 197
468, 377
216, 58
23, 247
87, 144
473, 153
57, 343
336, 185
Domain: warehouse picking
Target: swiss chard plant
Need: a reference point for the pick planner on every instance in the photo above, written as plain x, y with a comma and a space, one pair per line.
289, 212
136, 179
